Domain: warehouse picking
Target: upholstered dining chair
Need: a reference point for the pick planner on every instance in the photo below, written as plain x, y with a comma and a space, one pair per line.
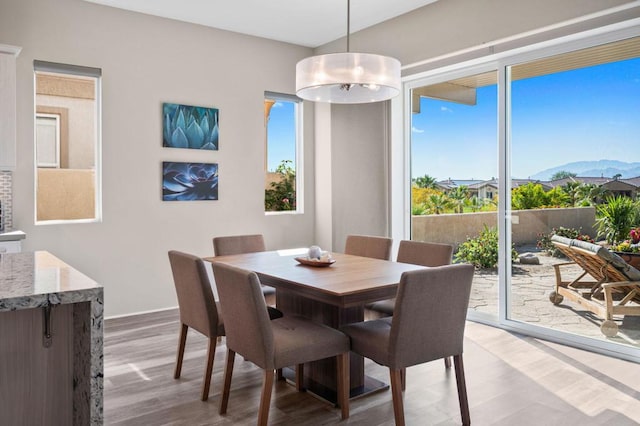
238, 244
428, 324
416, 253
198, 309
273, 344
369, 246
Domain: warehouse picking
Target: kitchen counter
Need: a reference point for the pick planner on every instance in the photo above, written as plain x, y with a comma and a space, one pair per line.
50, 315
12, 236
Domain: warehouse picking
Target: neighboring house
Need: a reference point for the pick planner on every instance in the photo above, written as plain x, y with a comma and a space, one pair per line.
622, 187
449, 184
486, 189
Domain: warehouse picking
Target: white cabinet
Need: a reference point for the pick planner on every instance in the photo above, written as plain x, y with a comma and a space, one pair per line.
11, 242
8, 56
10, 246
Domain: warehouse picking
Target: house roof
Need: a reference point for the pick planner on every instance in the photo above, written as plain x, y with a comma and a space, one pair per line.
600, 181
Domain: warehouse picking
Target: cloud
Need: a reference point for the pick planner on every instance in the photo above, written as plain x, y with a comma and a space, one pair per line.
445, 109
416, 130
278, 105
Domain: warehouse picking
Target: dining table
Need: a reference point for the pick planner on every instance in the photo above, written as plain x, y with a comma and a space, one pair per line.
333, 294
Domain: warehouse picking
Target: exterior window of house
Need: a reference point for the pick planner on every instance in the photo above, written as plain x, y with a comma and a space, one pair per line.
283, 147
67, 143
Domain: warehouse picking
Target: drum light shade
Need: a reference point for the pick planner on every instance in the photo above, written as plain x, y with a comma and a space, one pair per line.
348, 78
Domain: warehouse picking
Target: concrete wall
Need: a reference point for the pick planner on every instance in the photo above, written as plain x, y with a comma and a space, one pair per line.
527, 224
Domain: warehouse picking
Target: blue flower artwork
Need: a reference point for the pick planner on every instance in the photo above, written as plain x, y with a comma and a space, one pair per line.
191, 127
189, 181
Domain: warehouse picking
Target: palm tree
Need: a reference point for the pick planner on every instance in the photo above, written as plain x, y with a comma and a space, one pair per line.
590, 194
458, 197
438, 203
572, 188
425, 181
476, 204
562, 174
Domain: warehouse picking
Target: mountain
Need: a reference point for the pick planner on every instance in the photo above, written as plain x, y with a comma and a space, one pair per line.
606, 168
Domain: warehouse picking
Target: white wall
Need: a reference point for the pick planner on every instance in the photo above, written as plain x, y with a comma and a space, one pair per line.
359, 171
146, 61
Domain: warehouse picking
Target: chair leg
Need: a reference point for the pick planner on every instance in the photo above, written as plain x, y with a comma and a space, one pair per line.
403, 379
228, 372
265, 399
182, 340
396, 394
447, 362
211, 353
462, 390
300, 378
343, 383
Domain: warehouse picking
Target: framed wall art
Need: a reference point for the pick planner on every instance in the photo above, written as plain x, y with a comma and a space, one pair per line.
190, 127
189, 181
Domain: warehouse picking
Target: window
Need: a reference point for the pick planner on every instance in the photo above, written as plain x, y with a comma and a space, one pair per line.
283, 147
564, 116
48, 140
67, 143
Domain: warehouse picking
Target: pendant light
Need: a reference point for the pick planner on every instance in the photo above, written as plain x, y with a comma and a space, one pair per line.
349, 77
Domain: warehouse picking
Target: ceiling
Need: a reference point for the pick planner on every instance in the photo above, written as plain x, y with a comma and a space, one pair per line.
303, 22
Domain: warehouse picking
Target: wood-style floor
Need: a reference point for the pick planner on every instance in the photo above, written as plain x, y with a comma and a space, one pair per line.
511, 380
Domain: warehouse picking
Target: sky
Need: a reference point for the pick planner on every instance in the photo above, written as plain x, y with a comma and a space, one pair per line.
587, 114
281, 134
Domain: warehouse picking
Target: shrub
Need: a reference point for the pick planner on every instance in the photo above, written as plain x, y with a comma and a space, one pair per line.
529, 196
544, 240
616, 218
482, 251
282, 194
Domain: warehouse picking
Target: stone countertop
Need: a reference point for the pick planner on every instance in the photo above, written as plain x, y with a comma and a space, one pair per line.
32, 279
39, 279
12, 236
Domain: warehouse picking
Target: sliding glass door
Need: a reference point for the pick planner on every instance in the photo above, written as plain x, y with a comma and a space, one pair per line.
575, 168
454, 169
508, 154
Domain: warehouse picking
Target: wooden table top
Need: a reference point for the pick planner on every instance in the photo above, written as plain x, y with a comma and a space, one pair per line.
351, 280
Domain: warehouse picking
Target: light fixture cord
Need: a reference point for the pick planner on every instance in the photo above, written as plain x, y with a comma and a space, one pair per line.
348, 22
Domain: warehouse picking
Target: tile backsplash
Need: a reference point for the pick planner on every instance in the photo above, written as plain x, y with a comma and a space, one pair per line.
6, 201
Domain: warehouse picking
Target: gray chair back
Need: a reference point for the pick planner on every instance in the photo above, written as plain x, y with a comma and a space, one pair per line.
238, 244
195, 297
369, 246
247, 323
429, 315
424, 253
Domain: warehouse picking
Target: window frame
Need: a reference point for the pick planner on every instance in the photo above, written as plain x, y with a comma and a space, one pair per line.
80, 71
299, 151
400, 160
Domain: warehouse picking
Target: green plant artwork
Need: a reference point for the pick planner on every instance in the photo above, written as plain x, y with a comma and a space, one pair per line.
191, 127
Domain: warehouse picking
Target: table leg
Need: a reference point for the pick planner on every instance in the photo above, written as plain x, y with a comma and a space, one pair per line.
320, 376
